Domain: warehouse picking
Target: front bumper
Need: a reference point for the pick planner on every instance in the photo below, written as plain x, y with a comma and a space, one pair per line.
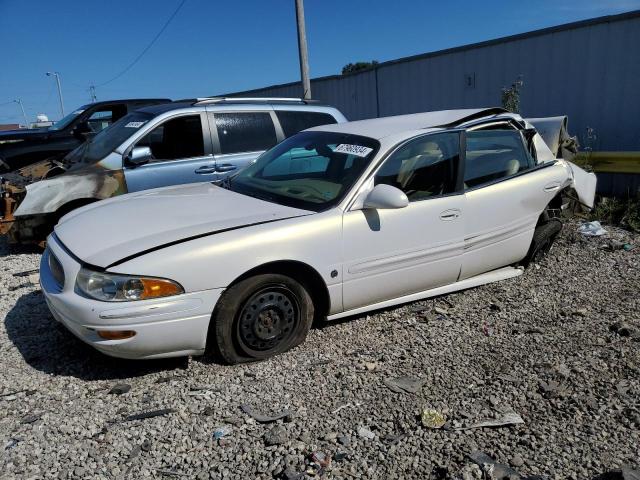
166, 327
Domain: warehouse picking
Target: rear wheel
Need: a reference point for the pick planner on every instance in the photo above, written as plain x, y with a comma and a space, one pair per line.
543, 237
260, 317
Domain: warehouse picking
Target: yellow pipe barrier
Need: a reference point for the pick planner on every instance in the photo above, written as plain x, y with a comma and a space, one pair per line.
610, 162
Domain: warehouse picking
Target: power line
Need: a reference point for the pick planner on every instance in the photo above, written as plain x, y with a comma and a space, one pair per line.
128, 67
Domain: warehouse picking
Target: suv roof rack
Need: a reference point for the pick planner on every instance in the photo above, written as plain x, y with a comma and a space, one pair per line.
213, 100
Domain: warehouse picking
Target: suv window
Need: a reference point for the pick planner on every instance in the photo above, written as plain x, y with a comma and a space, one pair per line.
494, 154
177, 138
425, 167
293, 122
245, 131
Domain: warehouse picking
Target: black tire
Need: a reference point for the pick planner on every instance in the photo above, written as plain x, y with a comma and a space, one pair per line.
543, 238
260, 317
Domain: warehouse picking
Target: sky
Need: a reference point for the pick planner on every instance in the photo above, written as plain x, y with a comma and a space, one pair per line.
212, 47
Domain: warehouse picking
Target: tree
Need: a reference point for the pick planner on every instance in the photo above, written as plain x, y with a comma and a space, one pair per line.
358, 66
511, 96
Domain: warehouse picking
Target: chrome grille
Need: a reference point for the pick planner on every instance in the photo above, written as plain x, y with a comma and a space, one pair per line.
56, 270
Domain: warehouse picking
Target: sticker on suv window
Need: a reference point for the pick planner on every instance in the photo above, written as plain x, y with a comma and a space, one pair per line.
357, 150
134, 124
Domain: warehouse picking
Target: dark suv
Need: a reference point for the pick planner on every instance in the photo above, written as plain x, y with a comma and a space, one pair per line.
19, 148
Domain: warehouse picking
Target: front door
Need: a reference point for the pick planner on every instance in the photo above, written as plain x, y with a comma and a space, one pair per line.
182, 153
390, 253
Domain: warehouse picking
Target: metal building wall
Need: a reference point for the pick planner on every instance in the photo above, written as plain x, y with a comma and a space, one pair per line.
587, 70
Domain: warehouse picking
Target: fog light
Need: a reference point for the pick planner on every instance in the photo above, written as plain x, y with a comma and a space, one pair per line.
116, 334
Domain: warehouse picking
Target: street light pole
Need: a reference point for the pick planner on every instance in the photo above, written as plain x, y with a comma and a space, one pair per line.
302, 51
57, 75
24, 115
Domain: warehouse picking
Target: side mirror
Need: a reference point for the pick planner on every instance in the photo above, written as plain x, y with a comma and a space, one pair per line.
139, 156
81, 129
385, 196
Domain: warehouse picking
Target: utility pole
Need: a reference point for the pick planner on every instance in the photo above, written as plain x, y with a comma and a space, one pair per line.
24, 115
92, 93
302, 51
57, 75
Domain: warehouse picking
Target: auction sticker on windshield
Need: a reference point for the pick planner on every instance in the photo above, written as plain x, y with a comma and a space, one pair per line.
357, 150
134, 124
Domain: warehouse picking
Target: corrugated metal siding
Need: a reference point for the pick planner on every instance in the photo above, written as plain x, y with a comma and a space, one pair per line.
589, 71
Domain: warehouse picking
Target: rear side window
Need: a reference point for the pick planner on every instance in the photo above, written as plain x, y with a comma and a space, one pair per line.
493, 155
245, 131
293, 122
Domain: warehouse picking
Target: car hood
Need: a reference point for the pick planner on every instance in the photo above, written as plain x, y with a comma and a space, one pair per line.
23, 134
106, 232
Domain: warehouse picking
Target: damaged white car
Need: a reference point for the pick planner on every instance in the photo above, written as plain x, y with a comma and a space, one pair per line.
332, 222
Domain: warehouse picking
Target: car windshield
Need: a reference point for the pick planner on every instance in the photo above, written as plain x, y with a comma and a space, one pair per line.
109, 139
65, 121
310, 170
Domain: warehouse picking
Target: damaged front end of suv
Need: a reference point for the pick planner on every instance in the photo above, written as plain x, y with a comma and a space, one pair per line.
35, 197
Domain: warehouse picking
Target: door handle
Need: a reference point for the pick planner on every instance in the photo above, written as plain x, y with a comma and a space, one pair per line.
206, 169
226, 167
551, 187
450, 214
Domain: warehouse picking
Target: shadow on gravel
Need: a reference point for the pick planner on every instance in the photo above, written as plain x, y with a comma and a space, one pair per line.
49, 347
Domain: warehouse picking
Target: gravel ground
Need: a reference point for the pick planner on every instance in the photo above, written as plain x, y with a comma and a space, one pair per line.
547, 346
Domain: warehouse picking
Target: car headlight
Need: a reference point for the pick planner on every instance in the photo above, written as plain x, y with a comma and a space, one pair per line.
112, 287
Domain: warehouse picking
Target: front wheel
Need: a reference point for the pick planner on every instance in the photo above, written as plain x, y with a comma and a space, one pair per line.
260, 317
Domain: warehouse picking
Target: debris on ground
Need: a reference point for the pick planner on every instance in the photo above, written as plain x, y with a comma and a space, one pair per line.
497, 471
592, 229
31, 419
364, 432
623, 329
120, 389
624, 473
150, 414
345, 405
263, 418
405, 384
318, 463
221, 432
504, 420
431, 418
276, 436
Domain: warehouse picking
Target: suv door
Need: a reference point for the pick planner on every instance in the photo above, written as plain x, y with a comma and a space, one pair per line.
390, 253
239, 137
181, 147
506, 193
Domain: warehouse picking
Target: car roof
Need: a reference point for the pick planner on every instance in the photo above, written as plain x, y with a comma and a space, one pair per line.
213, 102
386, 126
128, 100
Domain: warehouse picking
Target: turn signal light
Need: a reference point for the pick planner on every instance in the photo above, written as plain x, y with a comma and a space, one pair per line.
155, 287
116, 334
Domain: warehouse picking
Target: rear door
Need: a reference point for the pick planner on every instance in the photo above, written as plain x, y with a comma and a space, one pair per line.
239, 137
182, 151
505, 194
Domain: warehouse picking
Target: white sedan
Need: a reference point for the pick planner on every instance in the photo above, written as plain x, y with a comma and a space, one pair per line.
332, 222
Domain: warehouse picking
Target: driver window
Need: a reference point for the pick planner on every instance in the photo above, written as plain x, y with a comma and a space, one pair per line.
175, 139
425, 167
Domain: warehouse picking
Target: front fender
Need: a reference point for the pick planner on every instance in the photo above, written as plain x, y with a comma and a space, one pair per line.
47, 196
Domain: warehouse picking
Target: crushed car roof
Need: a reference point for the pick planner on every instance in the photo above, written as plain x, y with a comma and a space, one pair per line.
383, 127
